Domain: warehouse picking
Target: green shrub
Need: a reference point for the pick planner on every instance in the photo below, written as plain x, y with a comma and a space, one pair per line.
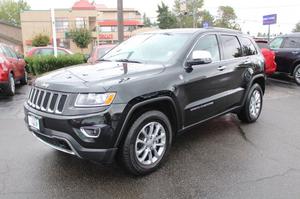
38, 65
40, 40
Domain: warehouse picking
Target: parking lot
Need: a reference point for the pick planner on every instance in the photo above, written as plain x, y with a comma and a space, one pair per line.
219, 159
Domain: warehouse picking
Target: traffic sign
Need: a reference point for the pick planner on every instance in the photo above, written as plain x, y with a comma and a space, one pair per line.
270, 19
205, 24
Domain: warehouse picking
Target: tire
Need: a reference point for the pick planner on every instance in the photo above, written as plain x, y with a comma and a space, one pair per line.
24, 80
296, 75
11, 86
253, 105
153, 152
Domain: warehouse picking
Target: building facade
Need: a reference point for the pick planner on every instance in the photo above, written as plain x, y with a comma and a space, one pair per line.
99, 19
11, 35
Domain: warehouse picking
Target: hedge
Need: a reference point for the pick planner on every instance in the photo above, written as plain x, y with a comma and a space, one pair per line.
38, 65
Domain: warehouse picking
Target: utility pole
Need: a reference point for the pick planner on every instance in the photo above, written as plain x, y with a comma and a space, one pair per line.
53, 32
120, 21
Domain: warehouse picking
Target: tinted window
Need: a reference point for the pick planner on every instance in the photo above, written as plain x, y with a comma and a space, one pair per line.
247, 46
232, 47
292, 42
209, 43
276, 43
8, 52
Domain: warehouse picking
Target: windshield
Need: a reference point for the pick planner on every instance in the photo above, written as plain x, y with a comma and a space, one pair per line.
262, 44
153, 48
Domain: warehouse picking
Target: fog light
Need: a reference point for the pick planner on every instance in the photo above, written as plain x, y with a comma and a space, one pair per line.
91, 132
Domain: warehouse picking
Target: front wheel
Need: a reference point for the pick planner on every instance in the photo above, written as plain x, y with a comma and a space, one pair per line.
253, 105
297, 74
147, 143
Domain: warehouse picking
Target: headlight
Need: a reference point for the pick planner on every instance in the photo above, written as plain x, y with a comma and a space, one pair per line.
94, 99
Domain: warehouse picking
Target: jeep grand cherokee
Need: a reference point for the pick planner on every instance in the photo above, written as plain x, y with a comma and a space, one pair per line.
145, 91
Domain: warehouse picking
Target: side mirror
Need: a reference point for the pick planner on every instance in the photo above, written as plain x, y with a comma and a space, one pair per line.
199, 57
20, 56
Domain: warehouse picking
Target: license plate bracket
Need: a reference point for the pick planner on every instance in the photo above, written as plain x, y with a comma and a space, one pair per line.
34, 122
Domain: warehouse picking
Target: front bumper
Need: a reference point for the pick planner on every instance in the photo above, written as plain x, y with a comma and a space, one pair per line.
63, 133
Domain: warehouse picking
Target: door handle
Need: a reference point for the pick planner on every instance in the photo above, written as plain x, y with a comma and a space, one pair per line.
221, 68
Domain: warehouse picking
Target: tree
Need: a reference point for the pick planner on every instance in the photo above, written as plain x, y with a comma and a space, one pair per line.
82, 37
192, 11
10, 10
166, 19
147, 21
206, 17
227, 18
40, 40
297, 27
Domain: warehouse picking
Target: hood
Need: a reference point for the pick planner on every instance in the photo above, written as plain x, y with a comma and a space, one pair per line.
95, 78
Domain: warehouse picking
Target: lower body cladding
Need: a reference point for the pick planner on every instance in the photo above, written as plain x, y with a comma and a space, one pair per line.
90, 137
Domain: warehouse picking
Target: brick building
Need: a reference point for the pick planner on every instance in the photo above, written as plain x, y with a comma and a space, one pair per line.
11, 35
99, 19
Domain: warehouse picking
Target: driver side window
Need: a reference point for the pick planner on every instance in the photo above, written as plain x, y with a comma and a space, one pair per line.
209, 43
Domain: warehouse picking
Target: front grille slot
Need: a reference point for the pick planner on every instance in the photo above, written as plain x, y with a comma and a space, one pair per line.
47, 101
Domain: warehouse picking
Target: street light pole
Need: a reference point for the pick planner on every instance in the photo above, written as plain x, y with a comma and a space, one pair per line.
120, 21
53, 32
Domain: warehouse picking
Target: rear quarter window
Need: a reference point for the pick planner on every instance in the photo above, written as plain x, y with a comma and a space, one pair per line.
247, 46
292, 42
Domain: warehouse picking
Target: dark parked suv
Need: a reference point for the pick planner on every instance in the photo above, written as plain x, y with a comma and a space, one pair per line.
287, 51
145, 91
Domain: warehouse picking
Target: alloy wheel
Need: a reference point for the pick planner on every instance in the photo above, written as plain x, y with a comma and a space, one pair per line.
255, 104
150, 143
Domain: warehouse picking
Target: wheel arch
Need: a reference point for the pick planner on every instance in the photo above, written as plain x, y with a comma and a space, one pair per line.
295, 64
164, 102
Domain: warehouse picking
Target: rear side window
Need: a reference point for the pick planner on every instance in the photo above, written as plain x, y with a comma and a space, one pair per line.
12, 53
292, 42
247, 47
231, 46
276, 43
45, 51
209, 43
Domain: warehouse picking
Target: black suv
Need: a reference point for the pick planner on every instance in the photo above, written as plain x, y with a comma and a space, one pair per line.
145, 91
287, 50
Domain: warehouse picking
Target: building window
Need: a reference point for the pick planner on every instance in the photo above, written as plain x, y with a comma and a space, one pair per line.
80, 22
61, 24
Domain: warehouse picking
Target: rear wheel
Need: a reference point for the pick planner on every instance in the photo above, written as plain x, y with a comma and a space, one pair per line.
297, 74
24, 80
11, 87
253, 105
147, 144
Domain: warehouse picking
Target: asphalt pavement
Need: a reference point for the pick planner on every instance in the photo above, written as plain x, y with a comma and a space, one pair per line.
218, 159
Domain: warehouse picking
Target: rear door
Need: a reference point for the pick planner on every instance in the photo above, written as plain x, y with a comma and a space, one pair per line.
235, 65
291, 48
20, 63
13, 60
276, 45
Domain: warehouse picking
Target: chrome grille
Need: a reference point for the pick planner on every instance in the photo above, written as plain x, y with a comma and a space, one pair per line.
47, 101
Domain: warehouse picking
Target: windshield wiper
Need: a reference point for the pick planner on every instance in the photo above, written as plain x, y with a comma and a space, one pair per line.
128, 61
103, 60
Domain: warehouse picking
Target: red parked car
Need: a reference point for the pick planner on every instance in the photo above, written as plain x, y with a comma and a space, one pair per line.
98, 52
48, 51
12, 69
269, 55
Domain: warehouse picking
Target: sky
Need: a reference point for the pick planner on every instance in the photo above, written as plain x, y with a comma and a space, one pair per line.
249, 13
